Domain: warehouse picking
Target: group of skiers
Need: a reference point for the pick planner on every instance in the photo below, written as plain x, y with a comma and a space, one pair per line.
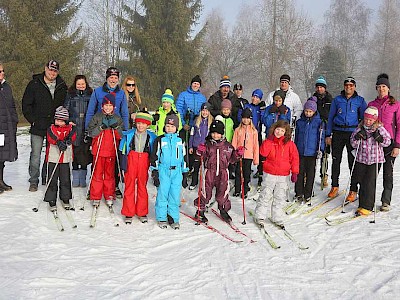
217, 140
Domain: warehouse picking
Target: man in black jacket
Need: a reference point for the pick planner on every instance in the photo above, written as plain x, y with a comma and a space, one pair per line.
43, 94
223, 93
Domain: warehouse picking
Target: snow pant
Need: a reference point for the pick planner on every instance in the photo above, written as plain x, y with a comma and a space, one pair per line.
341, 139
387, 174
272, 199
136, 199
103, 180
168, 193
246, 162
221, 183
307, 172
34, 160
368, 174
196, 168
62, 175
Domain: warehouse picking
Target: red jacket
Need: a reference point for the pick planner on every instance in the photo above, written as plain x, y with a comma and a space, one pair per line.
55, 133
281, 158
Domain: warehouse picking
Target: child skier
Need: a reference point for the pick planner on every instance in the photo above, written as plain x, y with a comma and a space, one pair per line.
217, 153
135, 146
60, 137
369, 138
281, 159
105, 129
198, 135
246, 136
310, 142
167, 107
276, 111
169, 172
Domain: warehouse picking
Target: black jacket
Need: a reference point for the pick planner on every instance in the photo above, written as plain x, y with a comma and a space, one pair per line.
215, 100
324, 105
38, 106
8, 124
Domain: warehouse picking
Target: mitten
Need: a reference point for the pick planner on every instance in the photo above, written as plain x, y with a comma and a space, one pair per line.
113, 123
377, 136
201, 149
282, 109
156, 178
184, 181
293, 178
362, 134
156, 117
61, 145
240, 151
274, 109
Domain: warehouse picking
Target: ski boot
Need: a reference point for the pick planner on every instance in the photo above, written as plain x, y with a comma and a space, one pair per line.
175, 226
201, 216
109, 202
66, 204
227, 218
96, 203
162, 224
128, 220
143, 219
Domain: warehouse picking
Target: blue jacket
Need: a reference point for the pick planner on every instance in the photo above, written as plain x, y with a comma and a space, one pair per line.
169, 152
345, 114
258, 112
310, 135
189, 104
271, 118
96, 100
198, 134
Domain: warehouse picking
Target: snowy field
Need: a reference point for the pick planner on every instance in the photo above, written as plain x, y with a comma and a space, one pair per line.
355, 260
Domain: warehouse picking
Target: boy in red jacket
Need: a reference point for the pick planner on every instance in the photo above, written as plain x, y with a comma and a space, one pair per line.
106, 130
58, 155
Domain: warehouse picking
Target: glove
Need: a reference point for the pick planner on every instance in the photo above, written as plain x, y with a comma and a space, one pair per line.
240, 151
113, 123
293, 178
274, 109
377, 136
61, 145
282, 109
319, 154
362, 134
184, 181
156, 178
201, 149
68, 141
156, 117
86, 137
105, 124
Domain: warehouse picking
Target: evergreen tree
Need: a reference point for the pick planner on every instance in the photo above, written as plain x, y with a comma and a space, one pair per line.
32, 32
160, 50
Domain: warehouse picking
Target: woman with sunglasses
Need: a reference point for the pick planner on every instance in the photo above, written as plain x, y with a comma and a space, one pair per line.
132, 95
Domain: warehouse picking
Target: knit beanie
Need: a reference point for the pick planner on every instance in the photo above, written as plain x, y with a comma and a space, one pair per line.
61, 114
225, 81
285, 77
196, 79
144, 117
383, 79
247, 113
310, 104
206, 105
167, 96
320, 82
112, 71
350, 79
371, 113
217, 126
258, 93
172, 119
226, 103
109, 99
279, 93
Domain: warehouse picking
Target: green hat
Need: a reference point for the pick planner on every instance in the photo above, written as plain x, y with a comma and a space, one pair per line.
167, 96
144, 117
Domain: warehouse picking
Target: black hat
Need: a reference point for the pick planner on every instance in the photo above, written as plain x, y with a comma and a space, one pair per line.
247, 113
172, 119
206, 105
280, 93
238, 86
53, 65
285, 77
383, 79
196, 79
350, 79
218, 127
112, 71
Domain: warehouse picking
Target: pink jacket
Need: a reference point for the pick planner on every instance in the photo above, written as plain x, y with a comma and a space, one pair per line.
247, 136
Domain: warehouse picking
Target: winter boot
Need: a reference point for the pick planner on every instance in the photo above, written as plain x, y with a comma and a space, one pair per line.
333, 192
75, 178
175, 226
96, 203
385, 207
227, 218
66, 204
82, 178
143, 219
3, 185
162, 224
128, 220
351, 197
201, 216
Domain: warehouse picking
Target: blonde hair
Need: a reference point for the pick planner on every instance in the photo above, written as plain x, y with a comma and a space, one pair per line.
199, 117
137, 96
251, 125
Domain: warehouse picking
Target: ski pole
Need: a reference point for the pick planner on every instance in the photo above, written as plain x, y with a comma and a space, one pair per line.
36, 209
376, 180
121, 177
351, 174
200, 186
242, 184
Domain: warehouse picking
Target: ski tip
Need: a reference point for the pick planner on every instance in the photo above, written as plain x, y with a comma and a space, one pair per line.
76, 226
82, 208
72, 208
35, 209
62, 229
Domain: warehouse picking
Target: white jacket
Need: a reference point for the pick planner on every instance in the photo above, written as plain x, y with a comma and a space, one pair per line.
292, 100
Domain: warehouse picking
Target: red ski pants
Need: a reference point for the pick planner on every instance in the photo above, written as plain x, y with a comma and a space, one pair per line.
103, 180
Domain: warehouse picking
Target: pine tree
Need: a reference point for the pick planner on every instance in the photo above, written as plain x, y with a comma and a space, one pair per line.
160, 50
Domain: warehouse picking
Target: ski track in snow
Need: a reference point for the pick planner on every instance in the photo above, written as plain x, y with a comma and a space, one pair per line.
355, 260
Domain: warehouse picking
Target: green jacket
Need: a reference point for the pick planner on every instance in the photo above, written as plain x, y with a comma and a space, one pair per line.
158, 128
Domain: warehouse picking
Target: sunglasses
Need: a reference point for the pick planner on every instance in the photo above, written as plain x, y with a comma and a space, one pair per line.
130, 84
1, 71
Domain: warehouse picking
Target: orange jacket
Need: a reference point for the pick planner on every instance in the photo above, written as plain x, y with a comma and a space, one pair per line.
247, 136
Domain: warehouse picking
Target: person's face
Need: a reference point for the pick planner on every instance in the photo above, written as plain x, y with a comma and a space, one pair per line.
279, 132
60, 123
195, 86
383, 90
246, 121
80, 85
170, 128
216, 136
308, 113
205, 113
368, 122
278, 101
225, 90
130, 86
238, 93
2, 74
141, 127
226, 111
255, 100
349, 89
320, 90
112, 81
166, 105
284, 85
50, 74
108, 108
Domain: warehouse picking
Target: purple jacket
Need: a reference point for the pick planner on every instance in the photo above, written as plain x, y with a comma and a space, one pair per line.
219, 154
198, 134
389, 115
369, 152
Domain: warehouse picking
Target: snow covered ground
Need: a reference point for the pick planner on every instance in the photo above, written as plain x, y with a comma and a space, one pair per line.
355, 260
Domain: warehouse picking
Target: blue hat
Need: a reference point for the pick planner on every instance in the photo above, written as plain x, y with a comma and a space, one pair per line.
109, 99
259, 93
321, 81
